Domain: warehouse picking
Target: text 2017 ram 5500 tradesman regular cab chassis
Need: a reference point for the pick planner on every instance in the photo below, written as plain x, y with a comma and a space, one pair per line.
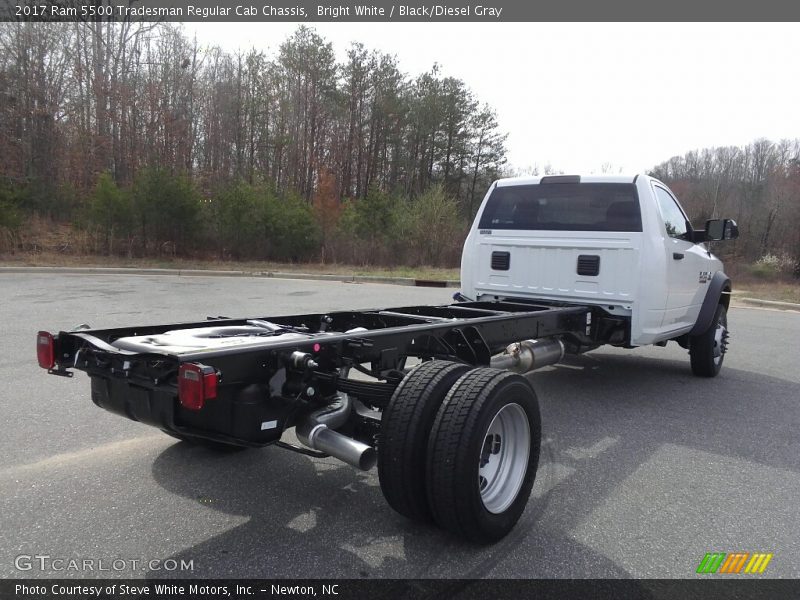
552, 266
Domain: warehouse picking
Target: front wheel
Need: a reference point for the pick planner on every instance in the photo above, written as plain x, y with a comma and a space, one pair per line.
707, 350
483, 453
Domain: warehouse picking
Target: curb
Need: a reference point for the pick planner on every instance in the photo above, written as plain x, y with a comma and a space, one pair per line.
769, 303
409, 281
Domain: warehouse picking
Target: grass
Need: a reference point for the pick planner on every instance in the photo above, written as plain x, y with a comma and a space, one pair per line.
763, 282
781, 291
744, 284
48, 259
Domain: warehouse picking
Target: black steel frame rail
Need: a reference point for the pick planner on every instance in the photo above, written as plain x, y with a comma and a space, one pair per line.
471, 330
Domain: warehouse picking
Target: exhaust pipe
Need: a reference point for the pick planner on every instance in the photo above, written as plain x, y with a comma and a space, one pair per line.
525, 356
317, 431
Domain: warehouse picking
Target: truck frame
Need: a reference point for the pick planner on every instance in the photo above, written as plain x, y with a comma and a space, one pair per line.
216, 397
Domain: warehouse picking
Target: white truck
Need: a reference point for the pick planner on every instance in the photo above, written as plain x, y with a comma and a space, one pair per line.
552, 265
622, 243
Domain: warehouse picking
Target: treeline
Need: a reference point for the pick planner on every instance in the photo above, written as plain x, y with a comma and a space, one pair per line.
151, 144
145, 138
758, 185
242, 220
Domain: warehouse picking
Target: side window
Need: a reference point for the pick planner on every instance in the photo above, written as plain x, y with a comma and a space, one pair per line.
674, 219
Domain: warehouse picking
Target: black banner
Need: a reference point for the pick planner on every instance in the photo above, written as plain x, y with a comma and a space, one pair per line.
453, 11
347, 589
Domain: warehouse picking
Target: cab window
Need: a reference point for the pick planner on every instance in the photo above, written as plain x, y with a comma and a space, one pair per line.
674, 219
563, 207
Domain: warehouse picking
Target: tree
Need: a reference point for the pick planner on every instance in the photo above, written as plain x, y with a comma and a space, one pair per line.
180, 129
166, 208
235, 215
327, 210
488, 153
434, 224
110, 210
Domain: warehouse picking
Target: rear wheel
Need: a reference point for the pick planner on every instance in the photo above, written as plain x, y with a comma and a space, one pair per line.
405, 427
483, 454
707, 350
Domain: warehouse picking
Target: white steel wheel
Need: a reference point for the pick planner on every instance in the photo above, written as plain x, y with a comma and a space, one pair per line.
504, 458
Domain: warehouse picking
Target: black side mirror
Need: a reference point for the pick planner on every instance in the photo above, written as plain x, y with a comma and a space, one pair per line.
721, 229
731, 230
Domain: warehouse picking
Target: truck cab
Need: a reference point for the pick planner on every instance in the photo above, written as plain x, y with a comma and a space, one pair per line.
623, 243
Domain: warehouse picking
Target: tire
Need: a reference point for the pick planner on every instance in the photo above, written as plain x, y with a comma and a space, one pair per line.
405, 427
221, 447
483, 454
707, 350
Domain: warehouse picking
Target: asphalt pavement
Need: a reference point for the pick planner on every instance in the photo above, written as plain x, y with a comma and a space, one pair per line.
644, 467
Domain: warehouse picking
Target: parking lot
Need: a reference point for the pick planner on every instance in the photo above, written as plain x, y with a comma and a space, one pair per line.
644, 467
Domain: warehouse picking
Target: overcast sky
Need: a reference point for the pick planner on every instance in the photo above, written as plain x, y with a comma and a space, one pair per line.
581, 95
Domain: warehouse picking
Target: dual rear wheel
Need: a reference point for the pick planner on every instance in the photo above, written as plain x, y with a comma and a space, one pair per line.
460, 447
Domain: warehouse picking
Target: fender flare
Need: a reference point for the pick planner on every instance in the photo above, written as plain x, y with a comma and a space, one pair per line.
718, 293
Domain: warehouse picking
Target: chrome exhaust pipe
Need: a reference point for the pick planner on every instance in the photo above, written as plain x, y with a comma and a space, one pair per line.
317, 431
525, 356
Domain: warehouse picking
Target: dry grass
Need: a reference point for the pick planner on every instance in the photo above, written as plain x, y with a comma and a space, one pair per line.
54, 259
43, 243
751, 282
782, 291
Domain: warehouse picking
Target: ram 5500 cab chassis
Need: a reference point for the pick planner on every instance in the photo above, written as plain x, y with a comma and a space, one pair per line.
434, 394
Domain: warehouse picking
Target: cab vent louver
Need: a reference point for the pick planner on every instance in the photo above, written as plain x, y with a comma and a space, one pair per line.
501, 261
588, 264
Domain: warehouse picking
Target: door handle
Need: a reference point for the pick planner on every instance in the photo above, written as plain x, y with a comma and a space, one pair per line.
677, 255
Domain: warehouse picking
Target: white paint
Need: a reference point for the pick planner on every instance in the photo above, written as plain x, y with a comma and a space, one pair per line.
662, 305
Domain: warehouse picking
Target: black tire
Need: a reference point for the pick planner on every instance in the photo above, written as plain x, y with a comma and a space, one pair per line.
707, 350
221, 447
405, 427
458, 446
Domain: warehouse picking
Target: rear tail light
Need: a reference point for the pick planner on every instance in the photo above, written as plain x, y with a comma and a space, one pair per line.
196, 384
46, 350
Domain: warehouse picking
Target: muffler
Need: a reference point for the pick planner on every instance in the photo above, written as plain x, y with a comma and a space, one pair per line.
317, 431
525, 356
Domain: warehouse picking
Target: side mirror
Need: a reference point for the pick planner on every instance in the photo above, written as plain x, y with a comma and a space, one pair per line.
721, 229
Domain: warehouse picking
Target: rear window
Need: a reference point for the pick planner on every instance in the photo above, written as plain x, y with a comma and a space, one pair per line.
564, 207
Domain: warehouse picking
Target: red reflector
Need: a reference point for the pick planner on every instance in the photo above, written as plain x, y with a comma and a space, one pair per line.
196, 384
210, 385
46, 350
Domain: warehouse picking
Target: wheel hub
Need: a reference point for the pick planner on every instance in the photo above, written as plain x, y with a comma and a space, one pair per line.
504, 458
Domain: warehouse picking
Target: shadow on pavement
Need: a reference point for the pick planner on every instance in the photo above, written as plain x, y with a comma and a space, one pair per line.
319, 518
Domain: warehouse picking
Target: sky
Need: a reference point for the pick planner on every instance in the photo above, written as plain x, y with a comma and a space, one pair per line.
591, 97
